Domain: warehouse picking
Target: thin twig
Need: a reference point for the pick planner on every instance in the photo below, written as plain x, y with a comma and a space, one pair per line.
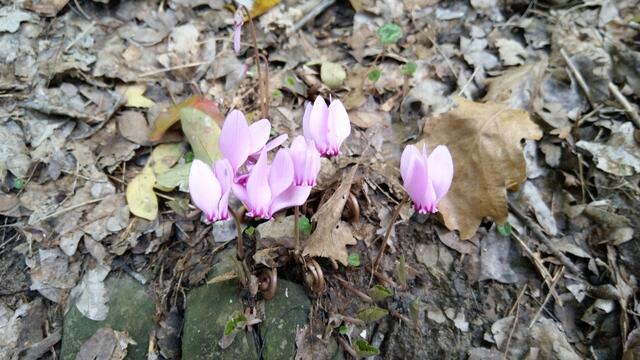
387, 234
80, 36
557, 277
537, 232
351, 288
581, 82
264, 110
548, 279
62, 211
317, 10
633, 115
177, 67
347, 347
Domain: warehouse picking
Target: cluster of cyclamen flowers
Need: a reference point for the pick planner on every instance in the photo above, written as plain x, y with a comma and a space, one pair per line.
266, 188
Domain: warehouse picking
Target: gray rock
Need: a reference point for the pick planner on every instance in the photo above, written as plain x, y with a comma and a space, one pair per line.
285, 314
206, 314
131, 309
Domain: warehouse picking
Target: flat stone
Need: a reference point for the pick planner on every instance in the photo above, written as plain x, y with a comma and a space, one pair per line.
206, 314
131, 309
285, 314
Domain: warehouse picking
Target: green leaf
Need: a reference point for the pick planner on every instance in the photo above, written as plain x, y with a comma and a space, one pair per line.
504, 229
354, 259
374, 75
343, 330
371, 314
332, 74
389, 33
364, 349
188, 156
203, 133
230, 327
177, 176
18, 184
250, 230
401, 272
237, 321
409, 69
379, 293
304, 225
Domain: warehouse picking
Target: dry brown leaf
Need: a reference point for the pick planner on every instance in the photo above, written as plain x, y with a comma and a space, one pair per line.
332, 235
484, 140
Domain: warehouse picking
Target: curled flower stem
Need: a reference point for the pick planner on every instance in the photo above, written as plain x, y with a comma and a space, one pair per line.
354, 206
387, 234
316, 280
268, 283
264, 109
239, 240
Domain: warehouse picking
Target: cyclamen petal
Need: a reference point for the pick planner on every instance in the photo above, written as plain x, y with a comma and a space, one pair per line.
224, 174
339, 127
292, 196
280, 173
258, 190
317, 124
235, 142
426, 178
440, 165
306, 161
259, 133
327, 126
205, 189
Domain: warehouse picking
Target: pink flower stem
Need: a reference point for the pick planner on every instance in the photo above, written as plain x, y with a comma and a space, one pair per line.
296, 228
239, 239
387, 234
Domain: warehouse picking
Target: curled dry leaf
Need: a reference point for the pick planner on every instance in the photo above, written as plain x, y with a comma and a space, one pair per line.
484, 140
331, 237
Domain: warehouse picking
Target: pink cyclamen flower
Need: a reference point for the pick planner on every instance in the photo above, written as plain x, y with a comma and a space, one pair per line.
237, 30
327, 126
210, 188
306, 161
270, 188
427, 178
238, 141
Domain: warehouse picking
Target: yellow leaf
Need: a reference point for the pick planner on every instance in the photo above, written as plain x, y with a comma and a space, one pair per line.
135, 97
332, 74
141, 199
484, 140
258, 7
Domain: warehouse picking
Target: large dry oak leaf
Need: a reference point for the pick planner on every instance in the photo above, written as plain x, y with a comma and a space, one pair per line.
484, 140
